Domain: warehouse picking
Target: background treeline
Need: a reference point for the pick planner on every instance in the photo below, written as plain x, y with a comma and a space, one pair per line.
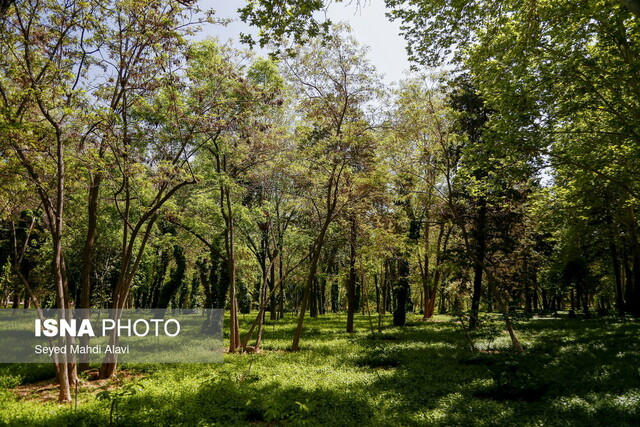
143, 169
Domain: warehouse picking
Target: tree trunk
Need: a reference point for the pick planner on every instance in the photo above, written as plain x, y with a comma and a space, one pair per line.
527, 290
65, 369
315, 256
616, 273
305, 296
313, 298
234, 333
351, 282
281, 301
514, 340
402, 292
87, 254
433, 291
634, 301
480, 238
385, 281
426, 286
377, 287
261, 313
273, 315
322, 303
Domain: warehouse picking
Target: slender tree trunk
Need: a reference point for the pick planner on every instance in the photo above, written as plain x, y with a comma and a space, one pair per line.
585, 302
514, 340
351, 282
315, 256
430, 308
92, 232
87, 255
121, 295
480, 235
323, 295
385, 287
280, 279
262, 308
402, 292
67, 370
261, 313
527, 287
377, 287
442, 307
426, 286
573, 301
234, 335
634, 301
313, 298
62, 366
331, 205
273, 315
54, 210
616, 273
305, 298
536, 291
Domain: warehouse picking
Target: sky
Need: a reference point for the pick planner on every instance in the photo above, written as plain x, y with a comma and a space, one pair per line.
370, 27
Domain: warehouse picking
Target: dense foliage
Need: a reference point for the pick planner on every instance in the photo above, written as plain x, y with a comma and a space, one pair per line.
140, 168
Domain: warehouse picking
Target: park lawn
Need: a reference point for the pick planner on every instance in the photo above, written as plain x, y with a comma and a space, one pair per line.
573, 372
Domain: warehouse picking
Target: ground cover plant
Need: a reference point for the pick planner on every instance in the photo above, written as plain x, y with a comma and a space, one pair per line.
460, 246
573, 372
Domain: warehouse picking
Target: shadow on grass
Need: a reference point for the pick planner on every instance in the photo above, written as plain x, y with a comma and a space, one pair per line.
575, 372
228, 402
15, 374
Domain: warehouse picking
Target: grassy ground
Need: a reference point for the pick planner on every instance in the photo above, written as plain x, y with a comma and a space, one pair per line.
574, 372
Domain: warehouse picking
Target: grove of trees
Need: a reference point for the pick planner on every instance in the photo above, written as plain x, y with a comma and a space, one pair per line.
142, 169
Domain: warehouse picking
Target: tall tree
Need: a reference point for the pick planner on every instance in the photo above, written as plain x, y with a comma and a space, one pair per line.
43, 113
333, 82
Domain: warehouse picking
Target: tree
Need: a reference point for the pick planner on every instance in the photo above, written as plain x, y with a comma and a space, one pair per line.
420, 126
333, 84
155, 129
43, 118
558, 77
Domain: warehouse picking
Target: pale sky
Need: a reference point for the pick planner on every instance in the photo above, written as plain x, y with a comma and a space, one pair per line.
370, 27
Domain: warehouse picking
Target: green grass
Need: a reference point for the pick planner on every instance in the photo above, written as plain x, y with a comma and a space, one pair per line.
574, 372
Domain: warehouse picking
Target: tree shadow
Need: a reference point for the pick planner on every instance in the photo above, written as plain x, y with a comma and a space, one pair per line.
575, 372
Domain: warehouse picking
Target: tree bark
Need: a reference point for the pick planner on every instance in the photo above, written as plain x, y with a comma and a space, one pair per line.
295, 346
616, 273
402, 292
87, 255
480, 238
634, 302
351, 282
234, 333
426, 286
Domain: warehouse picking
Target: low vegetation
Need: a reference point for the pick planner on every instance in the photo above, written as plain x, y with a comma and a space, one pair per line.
573, 372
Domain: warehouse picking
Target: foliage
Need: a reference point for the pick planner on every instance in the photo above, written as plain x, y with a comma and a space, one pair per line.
575, 372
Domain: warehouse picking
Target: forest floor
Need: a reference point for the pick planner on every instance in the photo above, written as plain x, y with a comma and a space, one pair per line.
573, 372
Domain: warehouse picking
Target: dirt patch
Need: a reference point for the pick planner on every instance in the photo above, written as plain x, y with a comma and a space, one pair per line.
47, 390
41, 391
